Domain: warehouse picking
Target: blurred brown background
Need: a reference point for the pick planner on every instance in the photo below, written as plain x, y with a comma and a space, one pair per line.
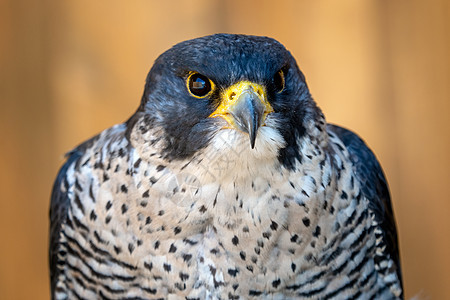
71, 68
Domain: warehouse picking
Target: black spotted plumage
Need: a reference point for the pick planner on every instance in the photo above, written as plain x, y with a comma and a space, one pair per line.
236, 190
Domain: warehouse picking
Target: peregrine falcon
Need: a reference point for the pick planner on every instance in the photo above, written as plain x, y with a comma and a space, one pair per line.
226, 183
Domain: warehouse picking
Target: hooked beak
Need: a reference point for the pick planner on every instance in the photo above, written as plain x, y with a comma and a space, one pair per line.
244, 106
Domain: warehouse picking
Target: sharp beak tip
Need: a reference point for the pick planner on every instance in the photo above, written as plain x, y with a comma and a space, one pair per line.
252, 141
248, 114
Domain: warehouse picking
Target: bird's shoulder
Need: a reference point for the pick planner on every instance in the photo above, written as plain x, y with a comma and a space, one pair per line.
108, 139
374, 188
64, 182
59, 205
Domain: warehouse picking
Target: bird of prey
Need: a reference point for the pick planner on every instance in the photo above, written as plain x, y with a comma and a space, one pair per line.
226, 183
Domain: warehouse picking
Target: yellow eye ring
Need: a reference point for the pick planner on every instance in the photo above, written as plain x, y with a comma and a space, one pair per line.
199, 85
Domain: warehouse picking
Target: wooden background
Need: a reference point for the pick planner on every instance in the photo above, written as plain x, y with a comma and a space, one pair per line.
72, 68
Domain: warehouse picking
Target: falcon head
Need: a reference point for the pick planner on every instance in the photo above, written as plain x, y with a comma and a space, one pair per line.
244, 93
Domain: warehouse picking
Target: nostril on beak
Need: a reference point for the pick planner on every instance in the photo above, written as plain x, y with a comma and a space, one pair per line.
232, 95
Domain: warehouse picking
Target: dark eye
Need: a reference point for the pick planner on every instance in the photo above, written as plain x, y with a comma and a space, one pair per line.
199, 85
278, 81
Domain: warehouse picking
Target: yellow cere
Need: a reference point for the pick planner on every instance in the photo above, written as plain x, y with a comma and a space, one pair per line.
231, 94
